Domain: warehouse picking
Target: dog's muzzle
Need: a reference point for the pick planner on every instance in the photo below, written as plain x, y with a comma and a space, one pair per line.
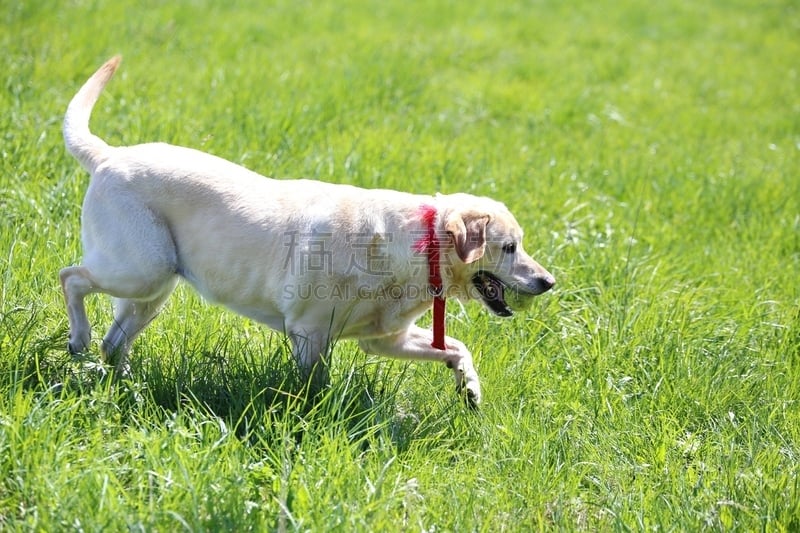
503, 299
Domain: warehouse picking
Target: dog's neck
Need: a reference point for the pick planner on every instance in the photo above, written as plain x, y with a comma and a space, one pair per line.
430, 246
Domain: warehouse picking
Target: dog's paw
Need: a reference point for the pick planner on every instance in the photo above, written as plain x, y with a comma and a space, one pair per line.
471, 395
78, 345
122, 370
468, 386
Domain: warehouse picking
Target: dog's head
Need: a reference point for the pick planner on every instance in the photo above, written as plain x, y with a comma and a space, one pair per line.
483, 257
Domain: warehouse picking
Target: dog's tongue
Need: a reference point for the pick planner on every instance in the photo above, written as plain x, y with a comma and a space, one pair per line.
491, 290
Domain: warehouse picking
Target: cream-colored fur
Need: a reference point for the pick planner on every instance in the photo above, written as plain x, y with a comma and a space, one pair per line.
316, 260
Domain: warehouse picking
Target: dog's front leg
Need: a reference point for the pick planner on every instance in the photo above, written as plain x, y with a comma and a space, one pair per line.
415, 343
309, 349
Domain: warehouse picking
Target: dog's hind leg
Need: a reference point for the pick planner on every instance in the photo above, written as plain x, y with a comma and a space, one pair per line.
135, 306
129, 255
76, 282
131, 316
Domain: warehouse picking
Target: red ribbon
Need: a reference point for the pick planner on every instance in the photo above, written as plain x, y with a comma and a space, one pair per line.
429, 244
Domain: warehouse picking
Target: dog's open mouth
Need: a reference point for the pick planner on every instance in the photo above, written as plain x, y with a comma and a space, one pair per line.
492, 292
500, 297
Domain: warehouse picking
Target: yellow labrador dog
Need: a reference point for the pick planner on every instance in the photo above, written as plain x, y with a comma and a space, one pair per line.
315, 260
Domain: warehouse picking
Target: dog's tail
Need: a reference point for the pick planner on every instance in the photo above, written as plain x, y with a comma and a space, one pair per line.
81, 143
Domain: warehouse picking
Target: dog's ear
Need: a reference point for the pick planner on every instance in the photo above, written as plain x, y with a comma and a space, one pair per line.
467, 231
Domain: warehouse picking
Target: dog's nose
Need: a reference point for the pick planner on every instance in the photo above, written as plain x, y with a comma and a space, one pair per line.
545, 282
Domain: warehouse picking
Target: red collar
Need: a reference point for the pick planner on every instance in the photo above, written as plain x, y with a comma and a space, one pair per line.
429, 244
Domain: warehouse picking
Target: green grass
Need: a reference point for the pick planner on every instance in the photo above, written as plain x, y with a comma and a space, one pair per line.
651, 152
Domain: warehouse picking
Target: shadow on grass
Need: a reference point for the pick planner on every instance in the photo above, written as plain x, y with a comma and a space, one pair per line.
252, 386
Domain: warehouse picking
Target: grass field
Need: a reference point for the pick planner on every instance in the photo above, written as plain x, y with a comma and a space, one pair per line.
652, 153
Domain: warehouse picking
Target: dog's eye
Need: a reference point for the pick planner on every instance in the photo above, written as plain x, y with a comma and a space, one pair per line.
510, 247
